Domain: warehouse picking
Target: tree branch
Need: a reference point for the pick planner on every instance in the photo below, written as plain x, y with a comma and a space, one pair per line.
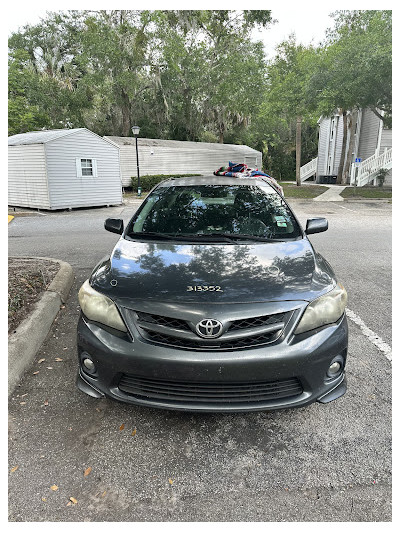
374, 110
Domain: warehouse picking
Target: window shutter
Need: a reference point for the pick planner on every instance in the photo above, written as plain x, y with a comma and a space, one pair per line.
78, 167
94, 165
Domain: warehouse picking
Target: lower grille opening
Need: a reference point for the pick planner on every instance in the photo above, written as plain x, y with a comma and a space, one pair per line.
208, 392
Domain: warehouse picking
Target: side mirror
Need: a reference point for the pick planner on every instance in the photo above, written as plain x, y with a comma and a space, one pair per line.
115, 225
316, 225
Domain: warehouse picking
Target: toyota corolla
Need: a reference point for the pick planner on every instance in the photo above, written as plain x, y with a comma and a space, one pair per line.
213, 299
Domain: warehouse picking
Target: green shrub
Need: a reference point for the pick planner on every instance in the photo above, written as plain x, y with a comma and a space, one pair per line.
148, 182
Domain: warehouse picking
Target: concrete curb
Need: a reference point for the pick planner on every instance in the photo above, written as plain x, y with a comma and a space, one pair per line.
24, 344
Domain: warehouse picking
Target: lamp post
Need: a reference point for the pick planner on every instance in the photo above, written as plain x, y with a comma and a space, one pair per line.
135, 131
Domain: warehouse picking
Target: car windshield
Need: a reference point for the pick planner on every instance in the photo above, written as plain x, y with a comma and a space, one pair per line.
201, 211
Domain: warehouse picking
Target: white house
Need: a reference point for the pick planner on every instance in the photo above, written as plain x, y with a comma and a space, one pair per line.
59, 169
372, 149
159, 156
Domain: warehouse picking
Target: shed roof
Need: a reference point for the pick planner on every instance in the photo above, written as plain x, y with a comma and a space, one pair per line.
40, 137
130, 141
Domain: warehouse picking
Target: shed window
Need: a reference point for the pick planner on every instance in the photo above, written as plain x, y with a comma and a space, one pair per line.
86, 167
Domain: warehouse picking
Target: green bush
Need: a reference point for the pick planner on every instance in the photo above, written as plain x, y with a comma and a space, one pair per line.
148, 182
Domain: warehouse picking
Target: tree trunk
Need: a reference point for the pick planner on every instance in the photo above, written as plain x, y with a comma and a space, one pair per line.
126, 114
298, 150
221, 137
349, 156
344, 145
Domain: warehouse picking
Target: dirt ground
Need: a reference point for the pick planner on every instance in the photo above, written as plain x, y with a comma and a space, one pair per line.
27, 279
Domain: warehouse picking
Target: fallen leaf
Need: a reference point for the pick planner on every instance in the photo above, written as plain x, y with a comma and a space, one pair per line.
134, 432
54, 487
58, 359
87, 471
14, 468
37, 372
44, 499
104, 493
121, 427
73, 500
22, 403
46, 402
69, 503
41, 360
65, 348
49, 367
170, 481
26, 394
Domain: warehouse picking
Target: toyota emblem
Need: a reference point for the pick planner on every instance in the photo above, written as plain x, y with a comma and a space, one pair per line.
209, 328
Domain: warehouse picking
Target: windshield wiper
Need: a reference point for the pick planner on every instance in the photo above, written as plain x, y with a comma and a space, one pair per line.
155, 235
230, 237
241, 237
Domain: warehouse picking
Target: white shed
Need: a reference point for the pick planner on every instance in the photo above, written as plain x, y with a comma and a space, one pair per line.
60, 169
161, 156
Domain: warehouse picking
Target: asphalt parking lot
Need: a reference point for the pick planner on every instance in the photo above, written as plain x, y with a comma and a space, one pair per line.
320, 463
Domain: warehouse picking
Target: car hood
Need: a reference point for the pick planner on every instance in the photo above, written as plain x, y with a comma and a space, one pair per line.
255, 272
258, 272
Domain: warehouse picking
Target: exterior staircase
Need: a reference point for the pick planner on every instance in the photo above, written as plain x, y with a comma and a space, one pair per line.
368, 169
307, 170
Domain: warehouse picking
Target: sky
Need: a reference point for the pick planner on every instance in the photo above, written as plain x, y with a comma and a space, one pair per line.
308, 25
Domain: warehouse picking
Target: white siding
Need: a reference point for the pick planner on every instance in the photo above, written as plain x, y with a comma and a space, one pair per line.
386, 140
369, 134
183, 160
338, 144
323, 144
66, 188
27, 181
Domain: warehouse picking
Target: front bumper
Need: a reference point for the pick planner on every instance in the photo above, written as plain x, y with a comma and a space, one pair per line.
306, 361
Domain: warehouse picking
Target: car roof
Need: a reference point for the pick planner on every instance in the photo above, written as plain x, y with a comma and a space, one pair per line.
216, 180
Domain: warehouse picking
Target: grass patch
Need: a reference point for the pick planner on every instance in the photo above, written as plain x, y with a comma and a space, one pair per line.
366, 192
133, 194
304, 191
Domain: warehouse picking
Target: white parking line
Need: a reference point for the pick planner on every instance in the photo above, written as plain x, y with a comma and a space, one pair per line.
373, 337
347, 209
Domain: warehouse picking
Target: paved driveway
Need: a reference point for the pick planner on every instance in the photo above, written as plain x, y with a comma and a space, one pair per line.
320, 463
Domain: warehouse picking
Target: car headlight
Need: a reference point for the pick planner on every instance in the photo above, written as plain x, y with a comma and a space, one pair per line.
99, 308
324, 310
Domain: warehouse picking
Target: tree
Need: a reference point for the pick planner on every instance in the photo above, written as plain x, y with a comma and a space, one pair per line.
177, 74
354, 72
207, 56
22, 114
51, 51
289, 92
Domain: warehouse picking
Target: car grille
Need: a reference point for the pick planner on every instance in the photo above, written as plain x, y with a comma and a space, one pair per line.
208, 392
253, 322
237, 334
163, 321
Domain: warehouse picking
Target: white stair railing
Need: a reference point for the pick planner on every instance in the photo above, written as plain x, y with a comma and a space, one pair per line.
307, 170
369, 168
